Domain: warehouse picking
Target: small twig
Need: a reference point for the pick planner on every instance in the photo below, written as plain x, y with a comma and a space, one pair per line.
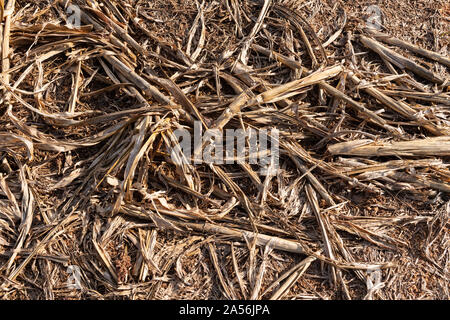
399, 60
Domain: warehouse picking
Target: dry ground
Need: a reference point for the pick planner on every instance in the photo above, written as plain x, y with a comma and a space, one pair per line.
85, 180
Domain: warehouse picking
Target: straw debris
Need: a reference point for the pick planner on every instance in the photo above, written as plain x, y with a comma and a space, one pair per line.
94, 206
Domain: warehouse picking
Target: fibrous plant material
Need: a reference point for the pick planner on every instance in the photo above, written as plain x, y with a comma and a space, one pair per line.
113, 185
439, 146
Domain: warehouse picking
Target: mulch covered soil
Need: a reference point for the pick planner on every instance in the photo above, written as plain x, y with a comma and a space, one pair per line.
93, 204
